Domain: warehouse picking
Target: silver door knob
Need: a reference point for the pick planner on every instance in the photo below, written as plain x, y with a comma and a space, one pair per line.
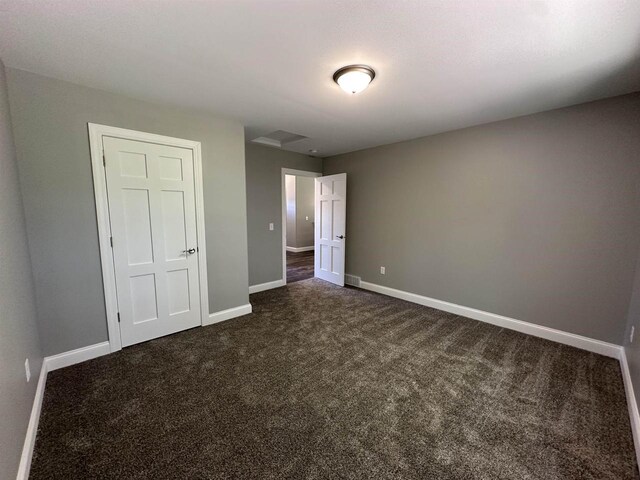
191, 251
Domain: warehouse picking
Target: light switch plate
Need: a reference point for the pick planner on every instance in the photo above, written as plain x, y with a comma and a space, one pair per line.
271, 226
383, 270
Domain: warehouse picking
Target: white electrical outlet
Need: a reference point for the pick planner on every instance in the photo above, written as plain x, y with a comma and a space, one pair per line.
633, 330
306, 218
271, 226
27, 370
382, 270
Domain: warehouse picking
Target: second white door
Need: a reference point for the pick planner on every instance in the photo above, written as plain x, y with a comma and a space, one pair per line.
330, 228
153, 223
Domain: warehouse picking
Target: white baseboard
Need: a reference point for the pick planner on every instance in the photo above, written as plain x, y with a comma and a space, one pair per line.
50, 364
300, 249
578, 341
72, 357
267, 286
634, 416
228, 314
32, 428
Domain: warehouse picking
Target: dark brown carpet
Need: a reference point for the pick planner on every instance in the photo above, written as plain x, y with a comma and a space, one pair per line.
327, 382
299, 266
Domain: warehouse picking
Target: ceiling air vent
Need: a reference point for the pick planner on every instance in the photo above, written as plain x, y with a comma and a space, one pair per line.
278, 139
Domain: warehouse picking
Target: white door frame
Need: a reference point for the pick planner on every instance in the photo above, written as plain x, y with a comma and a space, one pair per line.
96, 132
297, 173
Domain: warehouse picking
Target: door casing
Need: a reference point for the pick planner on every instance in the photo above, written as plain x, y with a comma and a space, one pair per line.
96, 132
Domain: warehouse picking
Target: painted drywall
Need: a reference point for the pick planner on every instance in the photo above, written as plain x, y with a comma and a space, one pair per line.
535, 218
50, 126
299, 194
632, 349
290, 198
264, 205
18, 329
305, 192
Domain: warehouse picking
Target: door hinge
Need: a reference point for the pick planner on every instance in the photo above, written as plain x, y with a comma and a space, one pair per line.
111, 241
118, 317
104, 160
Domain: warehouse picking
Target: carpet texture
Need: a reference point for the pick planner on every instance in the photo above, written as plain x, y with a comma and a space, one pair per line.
299, 266
327, 382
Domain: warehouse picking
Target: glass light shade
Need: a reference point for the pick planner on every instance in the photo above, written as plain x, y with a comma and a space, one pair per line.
354, 78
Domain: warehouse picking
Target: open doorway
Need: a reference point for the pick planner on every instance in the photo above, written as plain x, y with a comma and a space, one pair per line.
298, 224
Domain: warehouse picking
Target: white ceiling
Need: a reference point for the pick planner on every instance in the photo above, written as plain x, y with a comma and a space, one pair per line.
441, 64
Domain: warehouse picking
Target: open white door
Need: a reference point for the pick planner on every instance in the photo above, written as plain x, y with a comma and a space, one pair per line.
330, 228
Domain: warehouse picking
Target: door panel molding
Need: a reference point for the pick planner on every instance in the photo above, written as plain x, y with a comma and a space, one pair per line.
96, 133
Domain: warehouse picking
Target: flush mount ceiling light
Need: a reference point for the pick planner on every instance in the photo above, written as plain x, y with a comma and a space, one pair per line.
354, 78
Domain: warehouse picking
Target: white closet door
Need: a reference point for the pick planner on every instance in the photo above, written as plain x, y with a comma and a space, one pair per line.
153, 223
330, 228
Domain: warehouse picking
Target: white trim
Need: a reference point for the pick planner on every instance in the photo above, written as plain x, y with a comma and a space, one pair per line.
104, 233
200, 231
50, 364
300, 249
261, 287
32, 428
228, 314
78, 355
96, 132
578, 341
297, 173
632, 405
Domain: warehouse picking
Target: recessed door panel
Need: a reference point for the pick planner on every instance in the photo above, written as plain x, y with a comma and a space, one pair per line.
178, 291
337, 216
326, 188
170, 168
325, 258
135, 208
173, 224
132, 164
325, 219
144, 300
151, 196
336, 264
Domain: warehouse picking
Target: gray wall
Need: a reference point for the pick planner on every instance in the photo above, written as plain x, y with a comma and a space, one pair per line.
535, 218
50, 126
632, 349
290, 196
264, 166
18, 331
305, 193
300, 193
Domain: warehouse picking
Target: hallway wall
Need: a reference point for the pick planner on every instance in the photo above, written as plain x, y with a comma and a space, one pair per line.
263, 168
